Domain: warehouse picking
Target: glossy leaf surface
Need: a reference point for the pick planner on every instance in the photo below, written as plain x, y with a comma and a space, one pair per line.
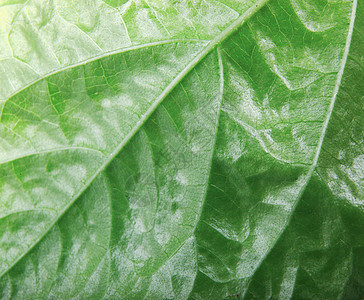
181, 149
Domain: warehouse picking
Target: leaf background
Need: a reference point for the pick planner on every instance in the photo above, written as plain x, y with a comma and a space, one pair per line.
218, 147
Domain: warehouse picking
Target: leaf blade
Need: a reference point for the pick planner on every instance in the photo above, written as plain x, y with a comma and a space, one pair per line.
144, 116
269, 215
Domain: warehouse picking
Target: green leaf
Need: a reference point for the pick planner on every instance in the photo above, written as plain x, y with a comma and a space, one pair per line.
321, 253
159, 150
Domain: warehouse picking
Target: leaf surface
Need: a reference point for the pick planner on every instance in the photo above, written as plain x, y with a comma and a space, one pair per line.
176, 150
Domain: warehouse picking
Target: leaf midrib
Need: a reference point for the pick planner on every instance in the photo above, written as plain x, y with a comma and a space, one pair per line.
198, 58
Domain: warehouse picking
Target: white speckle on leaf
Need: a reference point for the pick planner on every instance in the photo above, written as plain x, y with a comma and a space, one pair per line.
181, 178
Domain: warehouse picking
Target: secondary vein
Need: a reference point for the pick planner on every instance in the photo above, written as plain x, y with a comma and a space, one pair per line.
323, 132
208, 48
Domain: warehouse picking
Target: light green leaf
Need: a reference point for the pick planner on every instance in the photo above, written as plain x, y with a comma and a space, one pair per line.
181, 149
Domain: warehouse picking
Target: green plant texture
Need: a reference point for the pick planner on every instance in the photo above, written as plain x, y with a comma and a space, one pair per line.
186, 149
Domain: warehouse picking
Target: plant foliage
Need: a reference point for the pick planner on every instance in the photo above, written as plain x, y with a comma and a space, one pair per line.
204, 149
